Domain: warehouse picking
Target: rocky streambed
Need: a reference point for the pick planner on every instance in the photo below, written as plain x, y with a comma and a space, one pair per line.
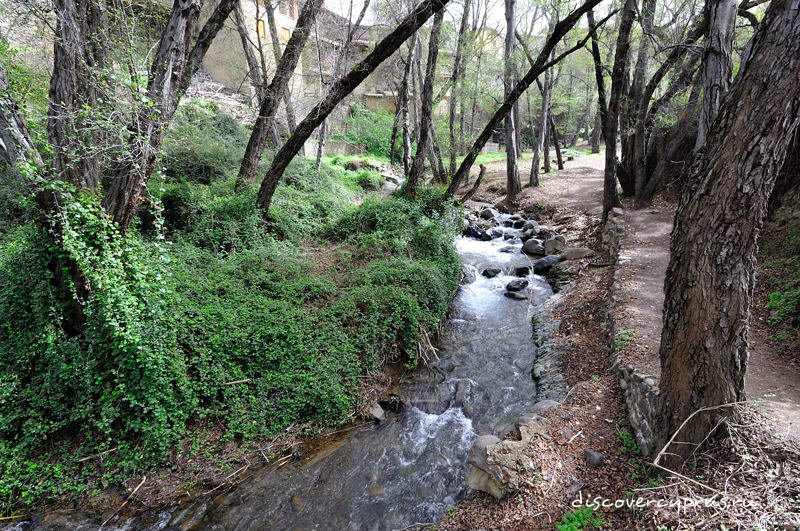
496, 371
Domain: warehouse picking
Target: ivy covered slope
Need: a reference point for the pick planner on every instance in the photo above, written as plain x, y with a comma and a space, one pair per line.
201, 294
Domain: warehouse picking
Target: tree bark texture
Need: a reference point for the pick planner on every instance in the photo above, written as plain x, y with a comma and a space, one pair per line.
720, 19
291, 121
254, 70
602, 106
79, 52
709, 281
633, 132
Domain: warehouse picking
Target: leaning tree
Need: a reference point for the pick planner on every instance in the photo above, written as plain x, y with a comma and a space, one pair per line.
710, 277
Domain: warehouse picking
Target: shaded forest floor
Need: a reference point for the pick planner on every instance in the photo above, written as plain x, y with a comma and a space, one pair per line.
596, 404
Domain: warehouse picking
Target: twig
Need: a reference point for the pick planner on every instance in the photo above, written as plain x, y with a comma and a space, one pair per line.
709, 408
82, 459
574, 436
687, 478
125, 502
234, 382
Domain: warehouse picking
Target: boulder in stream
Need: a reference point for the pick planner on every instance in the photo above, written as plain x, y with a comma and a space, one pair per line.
377, 412
522, 271
533, 247
491, 272
516, 295
517, 285
473, 231
543, 265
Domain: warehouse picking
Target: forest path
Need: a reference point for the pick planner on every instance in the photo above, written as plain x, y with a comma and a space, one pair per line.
772, 382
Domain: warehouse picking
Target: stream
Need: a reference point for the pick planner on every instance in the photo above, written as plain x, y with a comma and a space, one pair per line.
411, 467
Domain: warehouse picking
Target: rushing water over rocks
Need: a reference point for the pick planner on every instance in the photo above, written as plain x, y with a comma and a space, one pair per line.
412, 466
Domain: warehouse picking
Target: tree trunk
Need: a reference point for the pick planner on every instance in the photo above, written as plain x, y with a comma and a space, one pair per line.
426, 122
610, 198
291, 121
540, 65
646, 116
398, 105
513, 184
406, 125
634, 133
323, 129
277, 87
16, 143
433, 152
598, 120
720, 18
709, 282
79, 51
665, 164
254, 70
602, 106
541, 137
174, 64
339, 90
556, 144
454, 88
546, 147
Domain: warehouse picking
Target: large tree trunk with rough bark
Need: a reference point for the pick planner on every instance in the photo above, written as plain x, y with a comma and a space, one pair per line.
610, 198
513, 185
709, 281
426, 105
720, 19
338, 91
174, 63
79, 51
276, 90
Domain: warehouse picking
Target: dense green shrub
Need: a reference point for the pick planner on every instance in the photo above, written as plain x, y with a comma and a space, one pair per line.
203, 145
370, 129
114, 380
297, 309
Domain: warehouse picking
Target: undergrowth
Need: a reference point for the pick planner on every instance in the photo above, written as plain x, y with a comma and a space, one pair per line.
201, 294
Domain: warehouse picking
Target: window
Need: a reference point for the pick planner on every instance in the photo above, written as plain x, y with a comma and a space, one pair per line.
285, 34
260, 28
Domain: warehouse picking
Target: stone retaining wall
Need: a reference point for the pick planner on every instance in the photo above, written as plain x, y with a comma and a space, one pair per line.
641, 392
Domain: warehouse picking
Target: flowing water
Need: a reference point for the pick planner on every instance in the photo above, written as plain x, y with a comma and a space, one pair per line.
411, 467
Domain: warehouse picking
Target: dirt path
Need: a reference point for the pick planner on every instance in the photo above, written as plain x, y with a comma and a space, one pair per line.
772, 382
